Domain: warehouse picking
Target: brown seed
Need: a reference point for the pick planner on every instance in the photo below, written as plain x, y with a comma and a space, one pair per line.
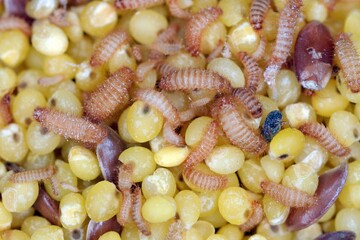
136, 4
47, 207
313, 56
348, 235
96, 229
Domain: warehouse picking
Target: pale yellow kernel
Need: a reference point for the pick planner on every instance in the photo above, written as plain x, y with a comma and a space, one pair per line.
159, 209
211, 36
48, 232
5, 218
301, 176
242, 37
351, 22
229, 70
83, 163
14, 47
297, 114
251, 175
345, 127
315, 11
198, 5
122, 58
72, 210
204, 228
123, 128
184, 59
18, 197
171, 156
188, 207
233, 11
8, 80
274, 169
275, 212
161, 182
313, 154
329, 214
112, 235
196, 129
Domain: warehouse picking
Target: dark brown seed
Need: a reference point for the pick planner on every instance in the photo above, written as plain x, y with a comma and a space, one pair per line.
96, 229
16, 8
330, 185
340, 235
107, 153
313, 57
47, 207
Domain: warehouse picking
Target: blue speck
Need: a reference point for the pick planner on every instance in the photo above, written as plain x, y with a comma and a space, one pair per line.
272, 125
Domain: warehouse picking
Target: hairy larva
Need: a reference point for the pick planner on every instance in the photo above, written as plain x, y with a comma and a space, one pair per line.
260, 50
125, 176
349, 61
70, 126
205, 181
176, 11
59, 18
55, 185
255, 218
5, 111
284, 39
144, 68
200, 102
107, 47
247, 98
196, 25
168, 48
164, 68
272, 125
253, 71
193, 78
33, 175
49, 81
169, 35
137, 52
191, 113
136, 4
159, 101
205, 147
216, 52
110, 97
11, 22
257, 13
123, 216
170, 134
324, 138
236, 128
290, 197
156, 55
176, 230
138, 219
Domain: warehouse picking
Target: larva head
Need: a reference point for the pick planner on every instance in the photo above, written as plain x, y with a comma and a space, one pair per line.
39, 113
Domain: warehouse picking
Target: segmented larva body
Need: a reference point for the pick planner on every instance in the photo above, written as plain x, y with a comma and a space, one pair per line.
159, 101
176, 230
284, 40
166, 42
324, 138
139, 221
236, 129
58, 17
111, 96
193, 78
167, 48
136, 4
196, 25
123, 216
125, 176
216, 52
290, 197
349, 61
107, 47
260, 50
205, 181
205, 147
200, 102
171, 136
253, 71
137, 52
49, 81
257, 13
255, 219
176, 11
54, 185
191, 113
11, 22
248, 99
70, 126
168, 35
5, 111
33, 175
164, 68
143, 69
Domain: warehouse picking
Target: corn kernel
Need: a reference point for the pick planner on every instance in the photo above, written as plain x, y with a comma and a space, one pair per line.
216, 219
188, 207
302, 177
8, 81
208, 203
72, 210
217, 237
81, 51
13, 147
123, 128
345, 90
196, 129
233, 11
232, 232
60, 64
192, 234
74, 31
211, 36
228, 69
242, 37
204, 228
14, 46
351, 22
122, 58
29, 79
83, 163
19, 217
287, 144
274, 232
348, 219
142, 160
48, 233
184, 59
268, 105
33, 223
275, 212
270, 25
251, 175
98, 18
65, 101
171, 156
315, 11
5, 218
40, 9
313, 154
111, 235
329, 214
274, 169
34, 59
345, 127
41, 140
159, 209
198, 5
18, 197
161, 182
145, 25
297, 114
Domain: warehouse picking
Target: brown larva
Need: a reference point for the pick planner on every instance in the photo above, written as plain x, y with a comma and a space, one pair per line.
58, 17
196, 25
110, 97
175, 231
167, 48
33, 175
257, 13
107, 47
204, 181
138, 219
164, 68
159, 101
136, 4
349, 61
248, 99
11, 22
290, 197
236, 128
70, 126
191, 113
284, 39
125, 176
260, 50
324, 138
137, 52
255, 218
205, 147
54, 183
169, 35
144, 68
5, 111
200, 102
193, 78
123, 216
49, 81
176, 11
253, 71
170, 134
216, 51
